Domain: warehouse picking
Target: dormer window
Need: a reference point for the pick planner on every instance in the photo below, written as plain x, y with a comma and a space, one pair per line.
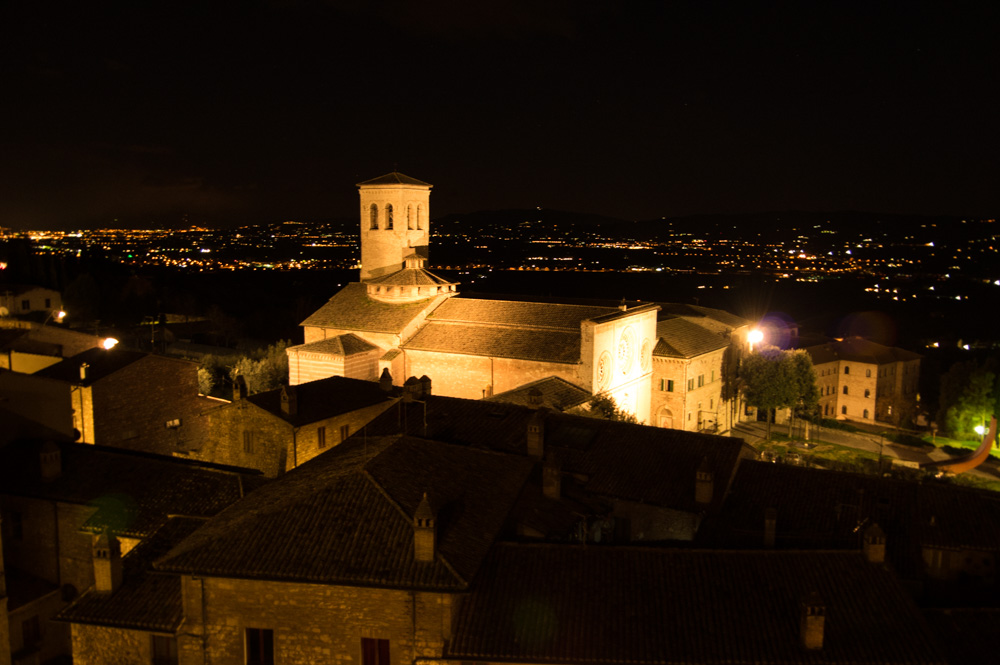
373, 215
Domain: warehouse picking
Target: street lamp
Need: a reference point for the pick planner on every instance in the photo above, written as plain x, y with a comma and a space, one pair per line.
755, 336
56, 315
109, 343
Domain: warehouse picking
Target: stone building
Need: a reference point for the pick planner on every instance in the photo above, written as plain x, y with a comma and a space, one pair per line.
133, 399
21, 299
277, 430
55, 499
404, 319
865, 381
27, 346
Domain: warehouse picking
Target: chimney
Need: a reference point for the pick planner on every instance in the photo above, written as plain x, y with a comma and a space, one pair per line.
704, 483
240, 389
425, 385
813, 617
83, 371
50, 460
536, 434
623, 307
385, 381
411, 389
534, 398
873, 544
289, 401
770, 527
107, 563
551, 477
423, 531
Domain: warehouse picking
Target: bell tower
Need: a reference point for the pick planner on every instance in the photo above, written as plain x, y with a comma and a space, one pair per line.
395, 222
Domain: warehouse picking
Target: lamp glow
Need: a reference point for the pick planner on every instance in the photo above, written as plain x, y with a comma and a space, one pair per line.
109, 343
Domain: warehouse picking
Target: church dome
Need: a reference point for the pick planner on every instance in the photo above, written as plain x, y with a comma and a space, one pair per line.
410, 284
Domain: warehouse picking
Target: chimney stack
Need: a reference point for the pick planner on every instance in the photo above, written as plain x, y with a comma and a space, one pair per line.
385, 381
289, 401
425, 386
704, 483
873, 544
107, 563
534, 398
50, 460
240, 389
411, 389
424, 531
83, 371
551, 477
536, 434
813, 620
770, 527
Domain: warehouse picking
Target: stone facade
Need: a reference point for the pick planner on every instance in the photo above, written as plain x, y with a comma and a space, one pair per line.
103, 645
310, 623
395, 222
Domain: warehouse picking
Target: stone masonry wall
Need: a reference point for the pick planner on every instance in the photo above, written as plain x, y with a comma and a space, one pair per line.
311, 623
100, 645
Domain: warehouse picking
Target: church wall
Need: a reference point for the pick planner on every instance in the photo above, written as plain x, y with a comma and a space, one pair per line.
99, 645
306, 367
311, 623
621, 359
475, 377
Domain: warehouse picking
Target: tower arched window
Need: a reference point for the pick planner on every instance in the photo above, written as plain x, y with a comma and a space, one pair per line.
388, 216
373, 215
409, 217
420, 217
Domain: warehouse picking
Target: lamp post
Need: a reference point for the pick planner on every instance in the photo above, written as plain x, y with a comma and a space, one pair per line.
54, 314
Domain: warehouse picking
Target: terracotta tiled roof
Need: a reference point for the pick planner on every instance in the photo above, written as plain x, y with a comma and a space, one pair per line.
352, 309
134, 492
322, 399
706, 315
627, 605
499, 342
409, 277
101, 363
344, 345
346, 517
146, 600
393, 178
556, 393
520, 314
682, 338
819, 508
860, 350
634, 462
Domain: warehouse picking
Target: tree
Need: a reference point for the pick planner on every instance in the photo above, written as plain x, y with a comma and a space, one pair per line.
266, 369
968, 398
603, 406
772, 379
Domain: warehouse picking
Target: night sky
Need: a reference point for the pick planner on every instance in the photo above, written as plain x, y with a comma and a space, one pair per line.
235, 113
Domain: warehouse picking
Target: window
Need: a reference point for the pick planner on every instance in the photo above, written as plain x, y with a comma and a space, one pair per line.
689, 416
670, 386
690, 384
260, 646
409, 217
164, 650
866, 414
826, 410
868, 373
868, 393
321, 437
48, 303
31, 632
843, 410
25, 305
663, 384
248, 442
373, 217
845, 390
388, 216
701, 380
374, 651
711, 404
890, 409
345, 430
847, 369
420, 217
173, 424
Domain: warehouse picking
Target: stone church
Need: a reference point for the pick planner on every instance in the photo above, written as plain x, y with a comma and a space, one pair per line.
402, 318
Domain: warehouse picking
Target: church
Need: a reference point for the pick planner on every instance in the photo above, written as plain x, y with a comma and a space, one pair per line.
661, 363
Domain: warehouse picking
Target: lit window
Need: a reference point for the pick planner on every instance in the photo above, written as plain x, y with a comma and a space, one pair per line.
173, 424
259, 646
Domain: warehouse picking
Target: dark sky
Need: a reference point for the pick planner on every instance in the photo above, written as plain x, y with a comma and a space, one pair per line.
246, 112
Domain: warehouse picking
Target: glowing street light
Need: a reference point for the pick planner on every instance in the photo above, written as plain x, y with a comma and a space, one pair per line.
755, 336
109, 343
